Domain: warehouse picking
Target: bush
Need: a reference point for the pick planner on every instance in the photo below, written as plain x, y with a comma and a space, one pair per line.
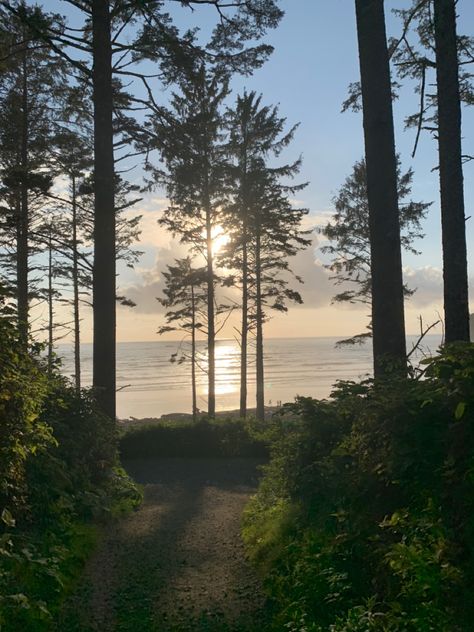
364, 519
219, 438
70, 478
58, 469
23, 434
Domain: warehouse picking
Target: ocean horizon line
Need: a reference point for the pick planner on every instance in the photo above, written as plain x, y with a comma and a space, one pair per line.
334, 337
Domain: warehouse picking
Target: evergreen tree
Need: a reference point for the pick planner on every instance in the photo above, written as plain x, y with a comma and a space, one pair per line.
256, 132
74, 159
453, 220
195, 180
388, 321
103, 278
185, 292
73, 237
276, 236
441, 52
29, 104
51, 268
348, 232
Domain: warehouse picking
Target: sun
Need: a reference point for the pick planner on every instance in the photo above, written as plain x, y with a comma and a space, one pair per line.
219, 239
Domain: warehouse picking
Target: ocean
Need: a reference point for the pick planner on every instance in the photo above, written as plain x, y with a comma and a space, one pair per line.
149, 385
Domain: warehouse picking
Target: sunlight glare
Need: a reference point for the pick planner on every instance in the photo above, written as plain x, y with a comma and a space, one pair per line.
219, 239
226, 369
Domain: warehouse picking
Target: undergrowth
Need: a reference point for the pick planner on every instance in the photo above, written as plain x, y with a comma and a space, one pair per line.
364, 519
59, 475
205, 438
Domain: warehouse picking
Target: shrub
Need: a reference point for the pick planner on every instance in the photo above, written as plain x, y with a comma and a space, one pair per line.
23, 434
58, 468
219, 438
364, 520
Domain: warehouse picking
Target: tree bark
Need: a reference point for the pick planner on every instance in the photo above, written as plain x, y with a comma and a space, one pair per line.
75, 284
244, 325
211, 333
104, 292
23, 219
193, 353
50, 303
260, 412
456, 302
245, 282
388, 323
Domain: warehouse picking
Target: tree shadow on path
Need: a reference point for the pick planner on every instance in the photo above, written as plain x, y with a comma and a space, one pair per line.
177, 564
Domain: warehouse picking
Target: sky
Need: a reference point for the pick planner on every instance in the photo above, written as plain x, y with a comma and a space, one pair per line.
314, 61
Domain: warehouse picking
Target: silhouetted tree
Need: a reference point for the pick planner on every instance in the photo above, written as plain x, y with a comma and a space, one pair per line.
190, 146
74, 159
388, 323
348, 232
456, 300
440, 51
73, 236
30, 92
256, 132
277, 235
185, 291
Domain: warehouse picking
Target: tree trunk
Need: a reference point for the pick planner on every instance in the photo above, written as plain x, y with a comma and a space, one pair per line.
456, 303
104, 213
244, 324
23, 215
50, 302
193, 354
388, 323
211, 334
260, 412
245, 282
75, 284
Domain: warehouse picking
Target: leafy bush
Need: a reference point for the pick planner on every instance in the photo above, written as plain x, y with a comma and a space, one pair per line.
364, 519
58, 468
23, 434
219, 438
69, 478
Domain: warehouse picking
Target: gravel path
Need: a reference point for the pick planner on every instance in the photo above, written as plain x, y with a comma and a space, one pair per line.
177, 564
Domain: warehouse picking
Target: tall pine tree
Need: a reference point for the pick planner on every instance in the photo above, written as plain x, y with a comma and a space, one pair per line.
190, 146
256, 134
388, 320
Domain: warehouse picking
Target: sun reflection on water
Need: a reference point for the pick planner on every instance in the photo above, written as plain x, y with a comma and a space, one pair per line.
227, 370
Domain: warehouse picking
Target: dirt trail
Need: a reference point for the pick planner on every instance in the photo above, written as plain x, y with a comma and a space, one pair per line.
177, 564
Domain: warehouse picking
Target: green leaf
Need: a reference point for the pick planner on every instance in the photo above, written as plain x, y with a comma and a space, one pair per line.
460, 409
7, 518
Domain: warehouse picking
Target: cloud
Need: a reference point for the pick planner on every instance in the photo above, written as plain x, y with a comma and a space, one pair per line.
152, 234
316, 289
427, 283
150, 284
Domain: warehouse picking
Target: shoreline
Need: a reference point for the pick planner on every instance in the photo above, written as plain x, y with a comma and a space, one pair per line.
178, 417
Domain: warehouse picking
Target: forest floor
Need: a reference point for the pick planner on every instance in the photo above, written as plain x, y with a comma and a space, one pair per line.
177, 563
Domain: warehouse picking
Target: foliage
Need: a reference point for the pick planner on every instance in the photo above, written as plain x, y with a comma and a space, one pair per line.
205, 438
58, 469
31, 89
22, 433
364, 518
259, 214
349, 242
185, 293
414, 59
